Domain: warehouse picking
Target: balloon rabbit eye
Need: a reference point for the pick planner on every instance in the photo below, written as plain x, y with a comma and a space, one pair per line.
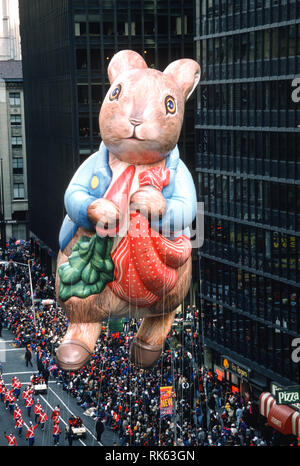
114, 95
170, 104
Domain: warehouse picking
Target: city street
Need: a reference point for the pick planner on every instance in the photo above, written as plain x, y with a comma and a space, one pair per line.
150, 224
13, 364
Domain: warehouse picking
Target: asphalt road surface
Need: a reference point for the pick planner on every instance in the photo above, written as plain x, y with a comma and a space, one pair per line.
13, 364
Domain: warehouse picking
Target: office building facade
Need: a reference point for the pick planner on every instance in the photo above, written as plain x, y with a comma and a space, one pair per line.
66, 48
13, 179
248, 170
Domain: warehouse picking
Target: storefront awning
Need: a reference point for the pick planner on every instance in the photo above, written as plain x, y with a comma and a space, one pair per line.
266, 400
296, 424
281, 417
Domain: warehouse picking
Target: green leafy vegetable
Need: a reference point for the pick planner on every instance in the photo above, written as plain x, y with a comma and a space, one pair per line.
89, 268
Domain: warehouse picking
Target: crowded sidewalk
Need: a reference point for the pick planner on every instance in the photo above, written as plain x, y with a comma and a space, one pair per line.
110, 388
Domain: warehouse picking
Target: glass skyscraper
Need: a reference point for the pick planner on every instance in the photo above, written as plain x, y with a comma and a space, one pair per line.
67, 46
248, 173
246, 163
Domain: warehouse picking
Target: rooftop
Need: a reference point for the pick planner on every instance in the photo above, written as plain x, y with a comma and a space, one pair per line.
11, 70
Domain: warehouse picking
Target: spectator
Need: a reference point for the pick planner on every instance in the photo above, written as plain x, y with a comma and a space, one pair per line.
126, 396
70, 436
28, 355
99, 430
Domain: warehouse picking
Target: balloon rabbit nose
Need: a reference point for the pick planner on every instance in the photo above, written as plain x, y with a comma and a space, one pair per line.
136, 121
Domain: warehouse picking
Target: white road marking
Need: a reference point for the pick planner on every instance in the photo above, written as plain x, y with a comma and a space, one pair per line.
12, 349
41, 396
15, 373
61, 401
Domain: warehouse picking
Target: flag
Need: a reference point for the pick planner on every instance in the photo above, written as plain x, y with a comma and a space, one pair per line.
19, 242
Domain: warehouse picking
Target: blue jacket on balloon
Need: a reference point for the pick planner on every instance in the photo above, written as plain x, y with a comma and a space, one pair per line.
180, 195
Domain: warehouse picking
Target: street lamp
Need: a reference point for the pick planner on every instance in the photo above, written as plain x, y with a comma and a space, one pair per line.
203, 346
3, 226
174, 398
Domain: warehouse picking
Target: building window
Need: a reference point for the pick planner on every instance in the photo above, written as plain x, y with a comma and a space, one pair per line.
19, 231
95, 60
15, 99
267, 44
16, 142
80, 29
179, 25
15, 120
96, 131
19, 191
94, 29
84, 127
81, 59
96, 94
130, 28
82, 91
108, 28
18, 166
283, 41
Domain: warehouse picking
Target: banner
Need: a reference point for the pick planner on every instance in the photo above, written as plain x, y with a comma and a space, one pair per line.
166, 401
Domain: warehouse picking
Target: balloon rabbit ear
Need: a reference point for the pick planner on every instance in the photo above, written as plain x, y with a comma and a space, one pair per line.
186, 73
122, 61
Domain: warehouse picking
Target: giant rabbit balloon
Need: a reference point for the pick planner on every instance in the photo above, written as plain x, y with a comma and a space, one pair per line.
125, 246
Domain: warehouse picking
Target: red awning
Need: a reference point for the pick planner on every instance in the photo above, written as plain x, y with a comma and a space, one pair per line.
296, 424
266, 400
281, 417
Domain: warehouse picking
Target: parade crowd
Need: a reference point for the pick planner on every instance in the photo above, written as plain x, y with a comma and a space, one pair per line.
119, 396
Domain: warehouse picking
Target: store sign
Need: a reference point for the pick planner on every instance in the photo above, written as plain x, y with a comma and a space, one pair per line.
288, 396
277, 388
232, 366
220, 374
